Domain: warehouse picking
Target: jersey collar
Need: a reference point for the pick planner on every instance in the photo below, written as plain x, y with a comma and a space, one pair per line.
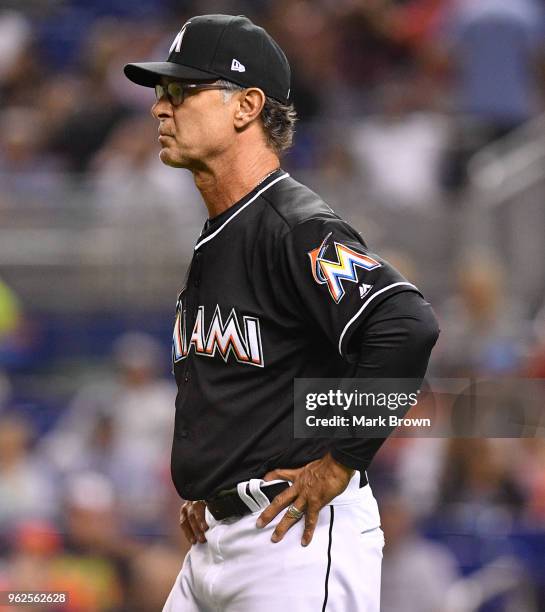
237, 208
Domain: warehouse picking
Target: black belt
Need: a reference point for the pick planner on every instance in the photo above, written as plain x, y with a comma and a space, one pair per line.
228, 503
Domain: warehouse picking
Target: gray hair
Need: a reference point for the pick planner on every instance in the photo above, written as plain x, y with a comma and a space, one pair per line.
278, 119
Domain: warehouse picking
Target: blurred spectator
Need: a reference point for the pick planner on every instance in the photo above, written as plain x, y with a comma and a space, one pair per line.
418, 469
477, 486
484, 329
29, 174
123, 430
414, 22
33, 544
15, 32
26, 486
97, 109
400, 149
415, 572
132, 187
368, 52
298, 27
21, 71
139, 402
95, 556
92, 520
494, 49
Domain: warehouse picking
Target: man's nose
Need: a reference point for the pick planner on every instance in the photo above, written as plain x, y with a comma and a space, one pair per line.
161, 108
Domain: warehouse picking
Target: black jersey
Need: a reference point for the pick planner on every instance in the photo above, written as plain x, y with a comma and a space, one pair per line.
277, 287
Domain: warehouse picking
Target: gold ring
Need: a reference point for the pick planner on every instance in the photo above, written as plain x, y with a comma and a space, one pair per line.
295, 513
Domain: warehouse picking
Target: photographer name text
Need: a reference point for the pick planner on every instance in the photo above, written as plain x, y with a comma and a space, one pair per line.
362, 421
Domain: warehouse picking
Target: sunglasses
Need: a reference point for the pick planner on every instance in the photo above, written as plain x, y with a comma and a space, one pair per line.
177, 92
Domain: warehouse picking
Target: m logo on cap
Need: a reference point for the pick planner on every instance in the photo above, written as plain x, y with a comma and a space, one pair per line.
237, 66
177, 42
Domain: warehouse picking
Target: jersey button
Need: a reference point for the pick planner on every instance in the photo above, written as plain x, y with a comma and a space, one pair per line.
184, 433
186, 377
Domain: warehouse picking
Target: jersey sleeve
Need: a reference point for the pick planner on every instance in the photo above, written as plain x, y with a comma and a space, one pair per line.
329, 277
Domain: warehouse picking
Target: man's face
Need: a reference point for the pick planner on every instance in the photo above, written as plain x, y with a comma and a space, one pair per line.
196, 131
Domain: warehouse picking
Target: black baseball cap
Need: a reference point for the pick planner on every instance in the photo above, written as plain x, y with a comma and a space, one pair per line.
227, 47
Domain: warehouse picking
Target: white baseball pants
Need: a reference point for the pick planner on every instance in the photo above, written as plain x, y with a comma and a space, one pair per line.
239, 569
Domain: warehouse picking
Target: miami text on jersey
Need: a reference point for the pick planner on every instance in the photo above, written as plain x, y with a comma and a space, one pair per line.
244, 343
344, 269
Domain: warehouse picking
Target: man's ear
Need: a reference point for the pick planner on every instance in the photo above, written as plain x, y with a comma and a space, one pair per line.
250, 104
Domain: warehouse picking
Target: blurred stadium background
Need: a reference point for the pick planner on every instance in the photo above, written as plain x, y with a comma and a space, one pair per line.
421, 121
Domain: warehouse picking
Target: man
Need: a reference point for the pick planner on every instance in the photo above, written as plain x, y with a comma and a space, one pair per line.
279, 287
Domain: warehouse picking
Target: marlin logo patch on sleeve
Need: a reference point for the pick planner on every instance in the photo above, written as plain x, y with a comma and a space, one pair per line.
334, 273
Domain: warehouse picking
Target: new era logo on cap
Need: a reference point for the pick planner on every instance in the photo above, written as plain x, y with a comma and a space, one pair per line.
236, 65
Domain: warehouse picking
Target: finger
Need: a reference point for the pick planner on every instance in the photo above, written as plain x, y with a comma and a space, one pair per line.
200, 512
183, 509
287, 521
281, 501
188, 534
183, 514
186, 529
196, 527
282, 474
311, 520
